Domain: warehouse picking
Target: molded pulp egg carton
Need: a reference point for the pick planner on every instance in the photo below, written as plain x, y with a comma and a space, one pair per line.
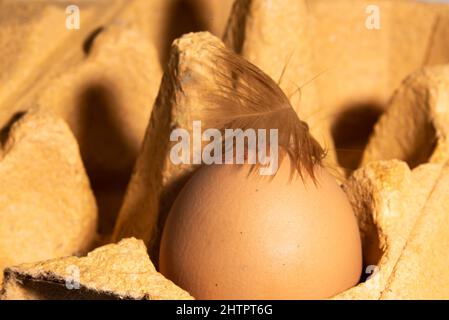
79, 122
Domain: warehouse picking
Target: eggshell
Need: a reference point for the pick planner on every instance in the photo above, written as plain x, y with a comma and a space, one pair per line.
235, 235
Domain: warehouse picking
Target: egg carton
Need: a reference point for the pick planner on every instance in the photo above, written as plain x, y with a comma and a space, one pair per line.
398, 191
114, 61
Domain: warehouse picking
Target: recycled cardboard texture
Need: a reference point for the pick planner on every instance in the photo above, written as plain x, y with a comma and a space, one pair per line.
421, 271
346, 71
47, 208
115, 271
156, 180
390, 202
418, 114
414, 262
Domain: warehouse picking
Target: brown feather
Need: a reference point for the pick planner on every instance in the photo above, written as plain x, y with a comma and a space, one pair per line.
245, 97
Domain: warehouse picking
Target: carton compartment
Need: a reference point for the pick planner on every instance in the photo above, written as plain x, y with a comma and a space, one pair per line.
415, 126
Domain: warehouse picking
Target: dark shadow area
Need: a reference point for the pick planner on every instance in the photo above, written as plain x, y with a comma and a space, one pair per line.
369, 236
106, 150
4, 132
235, 37
372, 253
52, 290
87, 44
183, 16
351, 131
167, 199
424, 143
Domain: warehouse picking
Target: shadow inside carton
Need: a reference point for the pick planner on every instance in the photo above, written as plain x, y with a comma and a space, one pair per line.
423, 143
372, 253
4, 132
168, 197
183, 16
351, 131
87, 44
41, 289
106, 148
235, 37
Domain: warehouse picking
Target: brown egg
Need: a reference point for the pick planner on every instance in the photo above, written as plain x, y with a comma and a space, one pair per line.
231, 235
